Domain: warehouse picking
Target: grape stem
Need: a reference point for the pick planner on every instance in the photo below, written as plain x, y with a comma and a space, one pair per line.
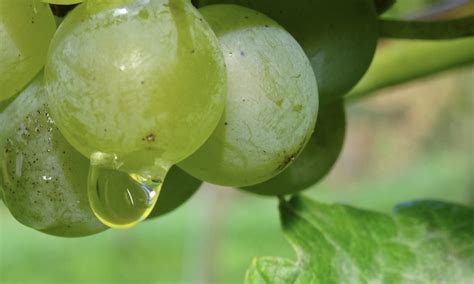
432, 30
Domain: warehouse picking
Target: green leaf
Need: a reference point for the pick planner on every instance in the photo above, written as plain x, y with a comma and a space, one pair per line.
402, 61
422, 242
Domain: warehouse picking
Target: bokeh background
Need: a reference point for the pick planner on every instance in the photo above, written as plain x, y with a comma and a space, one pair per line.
414, 141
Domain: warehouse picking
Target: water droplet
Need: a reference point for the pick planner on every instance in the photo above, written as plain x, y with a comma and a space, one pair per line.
120, 199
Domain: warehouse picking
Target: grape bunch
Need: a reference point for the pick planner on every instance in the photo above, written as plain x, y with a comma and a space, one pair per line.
120, 111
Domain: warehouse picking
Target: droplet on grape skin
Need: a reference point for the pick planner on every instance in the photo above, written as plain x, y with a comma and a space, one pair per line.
119, 199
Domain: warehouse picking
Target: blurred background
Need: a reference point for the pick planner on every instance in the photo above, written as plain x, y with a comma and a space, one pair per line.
414, 141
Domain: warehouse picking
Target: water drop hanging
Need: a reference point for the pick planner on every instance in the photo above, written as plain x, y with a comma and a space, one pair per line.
120, 199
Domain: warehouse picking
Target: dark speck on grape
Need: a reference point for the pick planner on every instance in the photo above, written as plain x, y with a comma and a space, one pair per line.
150, 138
288, 159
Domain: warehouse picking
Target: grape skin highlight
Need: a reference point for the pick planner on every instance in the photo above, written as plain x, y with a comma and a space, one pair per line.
271, 106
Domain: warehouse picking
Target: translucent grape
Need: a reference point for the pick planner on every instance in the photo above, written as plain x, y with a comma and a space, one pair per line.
136, 86
317, 159
43, 178
339, 36
271, 105
26, 29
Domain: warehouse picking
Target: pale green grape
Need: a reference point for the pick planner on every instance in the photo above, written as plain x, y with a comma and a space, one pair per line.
26, 28
136, 86
271, 105
50, 193
3, 125
43, 177
137, 80
316, 160
339, 36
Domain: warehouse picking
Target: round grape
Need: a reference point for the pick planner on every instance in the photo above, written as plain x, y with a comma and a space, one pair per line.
136, 86
43, 178
141, 80
271, 105
46, 178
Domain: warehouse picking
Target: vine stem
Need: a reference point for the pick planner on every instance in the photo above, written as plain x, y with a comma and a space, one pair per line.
429, 30
399, 62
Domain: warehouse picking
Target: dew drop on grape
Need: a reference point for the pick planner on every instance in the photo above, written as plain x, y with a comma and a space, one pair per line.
120, 199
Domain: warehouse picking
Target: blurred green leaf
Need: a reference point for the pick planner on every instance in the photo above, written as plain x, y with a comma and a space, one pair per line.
403, 61
422, 242
428, 30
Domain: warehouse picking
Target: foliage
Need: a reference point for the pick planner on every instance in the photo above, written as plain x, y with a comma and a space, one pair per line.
423, 242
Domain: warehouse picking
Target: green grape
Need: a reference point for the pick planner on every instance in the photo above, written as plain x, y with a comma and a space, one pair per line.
177, 189
136, 86
271, 105
26, 28
43, 178
317, 159
339, 36
37, 201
